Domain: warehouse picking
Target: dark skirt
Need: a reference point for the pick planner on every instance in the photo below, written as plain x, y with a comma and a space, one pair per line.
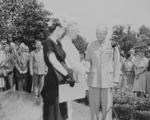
51, 111
63, 110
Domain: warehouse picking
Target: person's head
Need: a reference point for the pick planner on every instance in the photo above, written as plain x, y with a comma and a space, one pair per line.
139, 53
6, 48
72, 30
57, 30
114, 44
4, 41
10, 36
19, 105
101, 32
13, 46
128, 56
132, 51
22, 47
26, 48
38, 45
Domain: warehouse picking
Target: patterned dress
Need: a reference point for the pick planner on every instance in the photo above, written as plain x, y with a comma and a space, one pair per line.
128, 74
140, 68
2, 64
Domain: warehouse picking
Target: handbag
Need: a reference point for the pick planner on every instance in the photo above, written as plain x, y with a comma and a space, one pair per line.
60, 77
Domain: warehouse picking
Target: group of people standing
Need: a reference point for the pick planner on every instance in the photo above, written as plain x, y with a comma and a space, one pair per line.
56, 60
22, 70
135, 71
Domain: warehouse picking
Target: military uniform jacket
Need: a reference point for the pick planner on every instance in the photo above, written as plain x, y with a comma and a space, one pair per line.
102, 65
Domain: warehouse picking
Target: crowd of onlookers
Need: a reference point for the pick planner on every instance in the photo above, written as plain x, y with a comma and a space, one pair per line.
22, 69
135, 69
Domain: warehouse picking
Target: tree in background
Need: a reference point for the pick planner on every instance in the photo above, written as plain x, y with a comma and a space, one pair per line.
144, 34
26, 20
80, 43
124, 36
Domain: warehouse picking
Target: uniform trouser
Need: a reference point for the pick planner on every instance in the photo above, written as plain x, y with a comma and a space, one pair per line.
9, 81
37, 83
106, 99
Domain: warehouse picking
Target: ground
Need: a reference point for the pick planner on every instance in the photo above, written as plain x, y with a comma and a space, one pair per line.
81, 111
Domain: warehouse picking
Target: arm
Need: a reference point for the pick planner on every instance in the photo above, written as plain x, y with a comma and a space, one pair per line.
17, 67
73, 60
16, 64
122, 68
31, 64
117, 64
12, 63
143, 68
57, 65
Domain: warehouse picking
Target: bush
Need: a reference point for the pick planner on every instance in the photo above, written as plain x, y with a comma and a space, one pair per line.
124, 112
130, 107
141, 115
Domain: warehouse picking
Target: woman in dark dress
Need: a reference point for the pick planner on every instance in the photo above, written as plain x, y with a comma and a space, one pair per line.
53, 56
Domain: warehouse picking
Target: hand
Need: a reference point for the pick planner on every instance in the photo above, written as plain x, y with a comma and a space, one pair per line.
21, 72
71, 82
31, 73
45, 73
70, 74
24, 72
8, 71
115, 84
87, 71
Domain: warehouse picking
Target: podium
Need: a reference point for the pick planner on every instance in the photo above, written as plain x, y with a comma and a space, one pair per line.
67, 93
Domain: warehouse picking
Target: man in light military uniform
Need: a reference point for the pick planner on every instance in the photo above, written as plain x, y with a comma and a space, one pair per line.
101, 78
38, 69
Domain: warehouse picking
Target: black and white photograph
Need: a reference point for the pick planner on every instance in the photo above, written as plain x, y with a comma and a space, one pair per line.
74, 60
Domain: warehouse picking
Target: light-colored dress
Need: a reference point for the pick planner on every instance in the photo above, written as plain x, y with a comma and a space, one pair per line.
140, 80
2, 60
128, 74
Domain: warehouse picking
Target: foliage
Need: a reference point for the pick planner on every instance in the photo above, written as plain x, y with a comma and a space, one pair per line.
127, 105
130, 107
124, 112
25, 19
80, 43
126, 39
142, 115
